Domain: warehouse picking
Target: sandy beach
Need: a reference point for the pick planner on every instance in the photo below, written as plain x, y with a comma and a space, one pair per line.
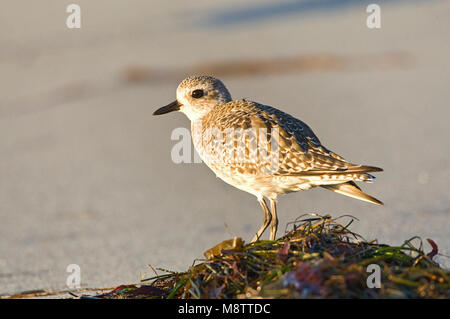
86, 175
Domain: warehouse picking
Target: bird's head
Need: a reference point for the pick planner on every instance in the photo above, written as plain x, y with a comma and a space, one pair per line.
196, 96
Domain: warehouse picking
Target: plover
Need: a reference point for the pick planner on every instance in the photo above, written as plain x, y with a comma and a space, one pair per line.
260, 149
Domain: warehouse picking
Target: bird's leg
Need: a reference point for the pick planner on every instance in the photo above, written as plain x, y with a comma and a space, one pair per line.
266, 222
274, 221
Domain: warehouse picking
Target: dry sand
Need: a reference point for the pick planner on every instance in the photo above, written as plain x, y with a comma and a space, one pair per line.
85, 170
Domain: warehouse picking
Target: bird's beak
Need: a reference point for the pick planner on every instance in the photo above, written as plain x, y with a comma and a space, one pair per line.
174, 106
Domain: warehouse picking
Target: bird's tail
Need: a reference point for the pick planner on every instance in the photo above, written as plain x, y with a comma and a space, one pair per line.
352, 190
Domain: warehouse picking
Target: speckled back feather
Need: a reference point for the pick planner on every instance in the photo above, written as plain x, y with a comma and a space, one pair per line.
300, 151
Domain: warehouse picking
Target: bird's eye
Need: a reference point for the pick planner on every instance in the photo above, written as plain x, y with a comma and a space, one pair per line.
197, 94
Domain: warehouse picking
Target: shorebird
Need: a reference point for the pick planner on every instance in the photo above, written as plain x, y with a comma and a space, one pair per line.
260, 149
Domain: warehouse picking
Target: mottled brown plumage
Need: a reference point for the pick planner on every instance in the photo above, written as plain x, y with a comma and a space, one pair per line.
260, 149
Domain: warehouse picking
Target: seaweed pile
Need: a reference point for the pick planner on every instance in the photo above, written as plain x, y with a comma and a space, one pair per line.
317, 258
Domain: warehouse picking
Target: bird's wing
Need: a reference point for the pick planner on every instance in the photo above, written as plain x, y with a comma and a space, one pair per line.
296, 149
